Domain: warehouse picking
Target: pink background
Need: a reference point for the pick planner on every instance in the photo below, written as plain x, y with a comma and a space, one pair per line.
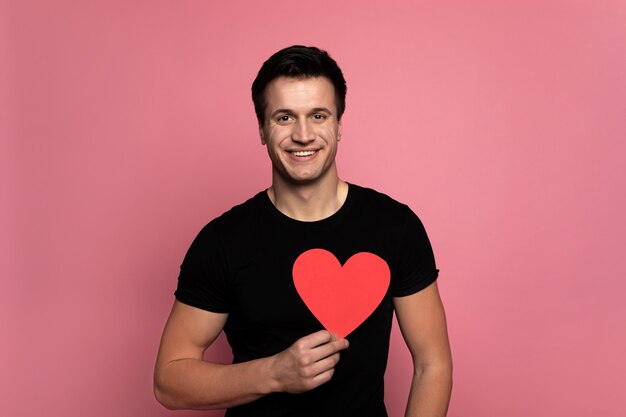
126, 126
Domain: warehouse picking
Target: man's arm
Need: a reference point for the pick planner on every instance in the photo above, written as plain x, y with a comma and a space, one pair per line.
183, 380
423, 324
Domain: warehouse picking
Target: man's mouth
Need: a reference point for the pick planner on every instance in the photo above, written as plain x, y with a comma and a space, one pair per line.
303, 153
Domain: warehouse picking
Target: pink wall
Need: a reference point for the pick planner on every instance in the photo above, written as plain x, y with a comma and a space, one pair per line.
126, 126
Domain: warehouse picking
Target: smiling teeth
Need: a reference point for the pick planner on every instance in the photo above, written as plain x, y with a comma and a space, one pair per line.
303, 153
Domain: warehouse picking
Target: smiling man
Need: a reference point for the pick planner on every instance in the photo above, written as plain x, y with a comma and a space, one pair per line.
258, 271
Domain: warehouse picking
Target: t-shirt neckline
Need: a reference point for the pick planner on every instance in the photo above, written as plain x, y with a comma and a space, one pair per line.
336, 216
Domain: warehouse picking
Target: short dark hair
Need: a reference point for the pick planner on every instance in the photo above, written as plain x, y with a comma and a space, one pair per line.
298, 61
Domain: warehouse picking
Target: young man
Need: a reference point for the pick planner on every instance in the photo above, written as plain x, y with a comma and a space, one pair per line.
238, 276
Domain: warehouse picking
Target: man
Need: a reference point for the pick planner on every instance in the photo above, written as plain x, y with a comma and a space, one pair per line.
239, 273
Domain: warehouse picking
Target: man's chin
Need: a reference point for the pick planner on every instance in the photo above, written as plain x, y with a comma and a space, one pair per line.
302, 181
296, 179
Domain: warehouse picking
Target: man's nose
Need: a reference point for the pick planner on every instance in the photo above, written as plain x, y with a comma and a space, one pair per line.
303, 132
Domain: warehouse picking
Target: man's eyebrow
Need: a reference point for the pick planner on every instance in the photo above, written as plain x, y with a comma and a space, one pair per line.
321, 109
277, 111
313, 110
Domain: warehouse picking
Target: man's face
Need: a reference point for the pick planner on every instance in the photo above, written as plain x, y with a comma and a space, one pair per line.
301, 129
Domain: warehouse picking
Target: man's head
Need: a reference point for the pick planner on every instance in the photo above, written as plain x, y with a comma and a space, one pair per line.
298, 62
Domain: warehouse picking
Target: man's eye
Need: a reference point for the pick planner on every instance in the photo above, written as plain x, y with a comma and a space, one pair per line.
283, 118
319, 116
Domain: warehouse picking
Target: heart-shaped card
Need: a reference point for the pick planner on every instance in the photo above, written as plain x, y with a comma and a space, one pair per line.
341, 297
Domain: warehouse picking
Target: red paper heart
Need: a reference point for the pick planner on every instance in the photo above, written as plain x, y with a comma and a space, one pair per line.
341, 298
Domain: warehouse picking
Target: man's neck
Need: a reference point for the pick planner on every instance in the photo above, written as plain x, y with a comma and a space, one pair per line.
309, 202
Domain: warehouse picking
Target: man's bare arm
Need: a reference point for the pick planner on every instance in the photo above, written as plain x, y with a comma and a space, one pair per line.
423, 324
183, 380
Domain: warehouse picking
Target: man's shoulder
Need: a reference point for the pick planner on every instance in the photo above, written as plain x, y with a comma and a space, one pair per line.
365, 196
234, 226
243, 212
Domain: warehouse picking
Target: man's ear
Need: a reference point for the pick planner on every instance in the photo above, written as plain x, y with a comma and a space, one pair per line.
261, 135
339, 131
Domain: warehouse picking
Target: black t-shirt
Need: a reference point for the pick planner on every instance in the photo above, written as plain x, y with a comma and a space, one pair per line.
241, 264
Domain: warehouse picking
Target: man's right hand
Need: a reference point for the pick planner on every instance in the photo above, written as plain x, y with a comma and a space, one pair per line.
183, 380
308, 363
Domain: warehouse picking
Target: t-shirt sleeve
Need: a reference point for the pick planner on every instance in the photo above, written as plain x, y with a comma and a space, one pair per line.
203, 279
416, 268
